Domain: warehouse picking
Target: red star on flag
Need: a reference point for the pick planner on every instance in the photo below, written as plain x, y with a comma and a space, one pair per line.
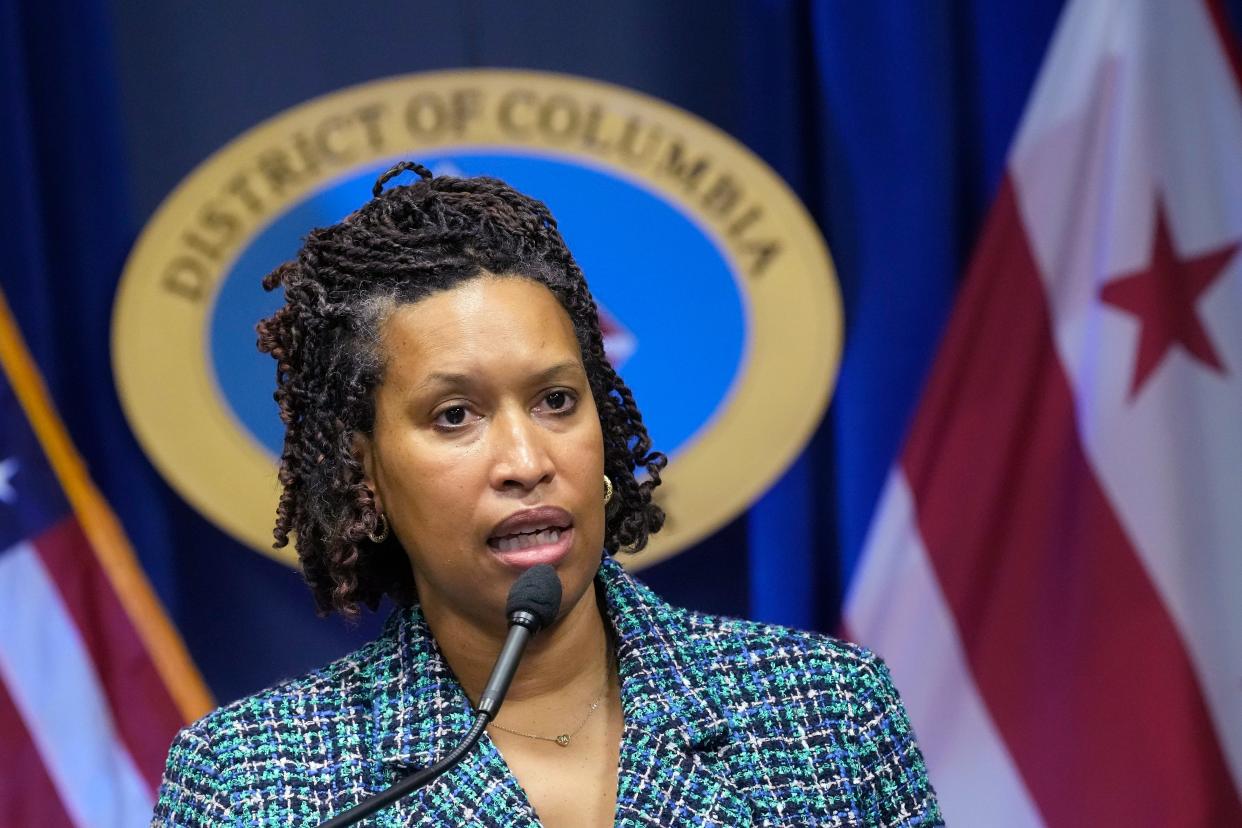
1163, 298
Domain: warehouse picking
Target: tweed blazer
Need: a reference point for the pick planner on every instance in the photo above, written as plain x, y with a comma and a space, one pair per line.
727, 722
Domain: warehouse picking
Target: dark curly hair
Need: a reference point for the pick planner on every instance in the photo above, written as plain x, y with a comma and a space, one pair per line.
405, 244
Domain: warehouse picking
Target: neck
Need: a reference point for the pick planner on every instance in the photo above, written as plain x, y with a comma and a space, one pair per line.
567, 658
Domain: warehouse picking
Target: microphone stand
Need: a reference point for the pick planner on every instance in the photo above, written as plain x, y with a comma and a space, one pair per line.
412, 782
522, 625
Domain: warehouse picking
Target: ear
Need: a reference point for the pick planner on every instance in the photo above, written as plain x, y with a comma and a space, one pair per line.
364, 450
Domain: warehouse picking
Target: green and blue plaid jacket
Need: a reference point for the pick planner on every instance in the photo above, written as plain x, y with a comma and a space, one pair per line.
727, 722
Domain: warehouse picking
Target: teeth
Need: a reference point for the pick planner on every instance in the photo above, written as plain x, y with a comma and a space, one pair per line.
527, 540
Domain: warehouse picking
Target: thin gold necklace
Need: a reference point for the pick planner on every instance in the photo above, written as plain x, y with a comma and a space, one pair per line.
563, 739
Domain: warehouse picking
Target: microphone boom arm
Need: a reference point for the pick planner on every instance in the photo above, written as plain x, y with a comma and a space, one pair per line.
412, 782
533, 602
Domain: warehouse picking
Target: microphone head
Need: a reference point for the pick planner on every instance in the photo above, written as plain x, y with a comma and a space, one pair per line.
537, 591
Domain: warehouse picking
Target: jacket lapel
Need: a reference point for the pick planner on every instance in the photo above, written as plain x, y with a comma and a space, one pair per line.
673, 769
419, 714
672, 765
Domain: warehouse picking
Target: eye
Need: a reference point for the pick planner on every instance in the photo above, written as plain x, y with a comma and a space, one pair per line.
559, 401
455, 416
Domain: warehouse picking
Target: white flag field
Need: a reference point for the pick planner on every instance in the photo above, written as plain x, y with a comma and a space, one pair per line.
1054, 572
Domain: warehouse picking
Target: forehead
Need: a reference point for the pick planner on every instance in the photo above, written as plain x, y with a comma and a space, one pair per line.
486, 323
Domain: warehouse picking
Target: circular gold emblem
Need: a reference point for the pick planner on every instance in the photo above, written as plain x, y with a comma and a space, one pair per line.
718, 299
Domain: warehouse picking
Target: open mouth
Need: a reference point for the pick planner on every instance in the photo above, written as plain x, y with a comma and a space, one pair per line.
533, 536
526, 540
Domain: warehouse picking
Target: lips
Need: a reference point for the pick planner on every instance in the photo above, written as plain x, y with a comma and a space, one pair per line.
533, 536
526, 540
530, 521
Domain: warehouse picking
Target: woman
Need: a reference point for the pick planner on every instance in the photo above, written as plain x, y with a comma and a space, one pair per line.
451, 420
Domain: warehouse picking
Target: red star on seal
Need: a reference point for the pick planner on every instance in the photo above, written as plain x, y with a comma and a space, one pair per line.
619, 343
1163, 298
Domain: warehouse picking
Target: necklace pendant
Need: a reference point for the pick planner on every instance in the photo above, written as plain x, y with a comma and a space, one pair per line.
563, 740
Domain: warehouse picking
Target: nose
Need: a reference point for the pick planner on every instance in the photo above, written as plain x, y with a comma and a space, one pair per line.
521, 460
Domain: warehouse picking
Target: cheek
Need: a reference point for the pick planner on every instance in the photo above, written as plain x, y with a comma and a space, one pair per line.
592, 434
580, 455
584, 460
589, 459
431, 490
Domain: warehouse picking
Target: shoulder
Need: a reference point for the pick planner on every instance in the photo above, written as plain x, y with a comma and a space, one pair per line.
809, 728
812, 662
738, 658
780, 686
294, 706
301, 721
808, 703
817, 683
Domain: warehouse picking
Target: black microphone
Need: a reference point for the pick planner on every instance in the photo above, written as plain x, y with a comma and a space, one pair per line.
534, 600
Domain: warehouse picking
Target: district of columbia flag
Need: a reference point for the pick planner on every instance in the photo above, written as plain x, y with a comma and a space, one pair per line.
94, 681
1055, 567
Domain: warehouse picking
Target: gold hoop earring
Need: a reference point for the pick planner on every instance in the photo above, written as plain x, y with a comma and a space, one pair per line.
383, 533
607, 490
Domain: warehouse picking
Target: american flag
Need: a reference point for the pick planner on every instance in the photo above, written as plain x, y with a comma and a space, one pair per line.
1054, 570
94, 682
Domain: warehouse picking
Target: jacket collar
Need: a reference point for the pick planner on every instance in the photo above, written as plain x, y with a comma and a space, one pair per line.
673, 722
664, 688
420, 711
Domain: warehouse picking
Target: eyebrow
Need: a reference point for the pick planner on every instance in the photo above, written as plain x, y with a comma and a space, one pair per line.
442, 378
559, 370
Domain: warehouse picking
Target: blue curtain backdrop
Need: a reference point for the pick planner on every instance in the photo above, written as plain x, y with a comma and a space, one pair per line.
890, 119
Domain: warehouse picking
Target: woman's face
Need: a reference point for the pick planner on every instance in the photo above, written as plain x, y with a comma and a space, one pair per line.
487, 454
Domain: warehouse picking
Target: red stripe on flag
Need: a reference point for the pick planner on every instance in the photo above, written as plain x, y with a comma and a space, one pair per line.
1073, 651
1228, 41
145, 715
27, 795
